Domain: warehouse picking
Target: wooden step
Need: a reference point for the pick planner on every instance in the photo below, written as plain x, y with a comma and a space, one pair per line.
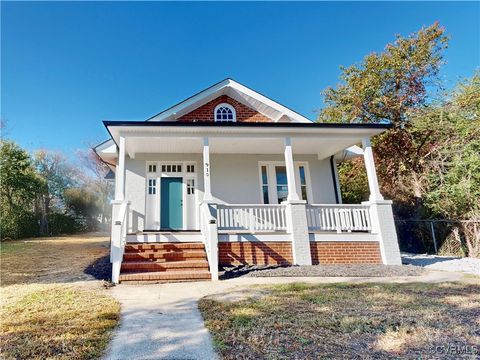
162, 276
136, 266
163, 255
131, 247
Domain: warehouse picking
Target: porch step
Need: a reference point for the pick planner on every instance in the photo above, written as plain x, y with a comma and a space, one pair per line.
165, 237
164, 262
162, 255
132, 266
161, 276
134, 247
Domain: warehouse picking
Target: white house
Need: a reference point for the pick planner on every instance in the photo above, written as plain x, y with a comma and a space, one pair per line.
229, 176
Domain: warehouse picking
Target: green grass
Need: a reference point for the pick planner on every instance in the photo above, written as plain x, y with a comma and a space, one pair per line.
345, 320
56, 322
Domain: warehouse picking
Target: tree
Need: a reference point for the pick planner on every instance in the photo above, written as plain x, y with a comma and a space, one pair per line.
58, 176
452, 163
84, 204
388, 88
94, 180
388, 85
19, 186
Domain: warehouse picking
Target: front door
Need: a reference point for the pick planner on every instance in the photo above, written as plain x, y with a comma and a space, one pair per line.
171, 203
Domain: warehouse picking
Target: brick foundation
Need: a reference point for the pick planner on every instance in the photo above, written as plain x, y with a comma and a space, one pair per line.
205, 112
255, 253
353, 252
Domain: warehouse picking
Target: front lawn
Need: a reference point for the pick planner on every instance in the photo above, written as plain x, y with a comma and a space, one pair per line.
51, 307
299, 321
56, 321
52, 260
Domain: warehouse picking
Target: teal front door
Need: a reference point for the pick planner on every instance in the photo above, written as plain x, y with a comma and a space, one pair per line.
171, 203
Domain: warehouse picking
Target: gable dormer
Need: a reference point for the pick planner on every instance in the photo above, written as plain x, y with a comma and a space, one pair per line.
229, 100
224, 108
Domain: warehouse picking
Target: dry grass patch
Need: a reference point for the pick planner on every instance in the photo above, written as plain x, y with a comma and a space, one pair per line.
56, 321
298, 321
48, 260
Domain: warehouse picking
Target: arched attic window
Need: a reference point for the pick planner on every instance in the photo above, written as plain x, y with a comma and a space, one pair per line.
225, 112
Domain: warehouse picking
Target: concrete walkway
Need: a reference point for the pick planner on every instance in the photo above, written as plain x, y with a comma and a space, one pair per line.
162, 321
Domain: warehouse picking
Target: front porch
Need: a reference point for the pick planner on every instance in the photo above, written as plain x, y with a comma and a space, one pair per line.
293, 213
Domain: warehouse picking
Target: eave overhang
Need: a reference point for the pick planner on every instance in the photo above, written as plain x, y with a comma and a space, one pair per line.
322, 139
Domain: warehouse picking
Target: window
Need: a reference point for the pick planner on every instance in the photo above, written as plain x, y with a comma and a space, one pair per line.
274, 181
190, 168
152, 188
172, 168
190, 186
152, 168
265, 185
225, 112
303, 182
282, 183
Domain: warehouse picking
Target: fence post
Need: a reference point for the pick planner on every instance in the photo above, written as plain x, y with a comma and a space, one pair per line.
432, 227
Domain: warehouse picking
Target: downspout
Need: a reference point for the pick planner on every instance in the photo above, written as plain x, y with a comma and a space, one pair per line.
334, 179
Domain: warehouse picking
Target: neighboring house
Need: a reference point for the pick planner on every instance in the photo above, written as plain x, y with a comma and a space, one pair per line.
229, 176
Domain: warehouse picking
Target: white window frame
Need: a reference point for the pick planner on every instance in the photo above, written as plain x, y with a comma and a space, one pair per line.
185, 176
234, 113
272, 180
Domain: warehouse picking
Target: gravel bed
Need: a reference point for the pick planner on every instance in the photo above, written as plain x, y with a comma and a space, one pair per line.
445, 263
351, 270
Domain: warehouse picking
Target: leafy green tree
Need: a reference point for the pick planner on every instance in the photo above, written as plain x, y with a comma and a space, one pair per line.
84, 204
389, 87
452, 164
19, 186
353, 181
58, 175
386, 86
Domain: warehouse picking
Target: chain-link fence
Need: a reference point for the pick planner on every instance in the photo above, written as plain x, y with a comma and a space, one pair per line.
443, 237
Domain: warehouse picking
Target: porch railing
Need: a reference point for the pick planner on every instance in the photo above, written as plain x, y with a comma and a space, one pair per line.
252, 218
338, 218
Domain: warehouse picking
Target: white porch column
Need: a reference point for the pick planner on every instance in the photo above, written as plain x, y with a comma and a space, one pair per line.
383, 225
371, 172
292, 185
206, 171
296, 213
381, 212
120, 171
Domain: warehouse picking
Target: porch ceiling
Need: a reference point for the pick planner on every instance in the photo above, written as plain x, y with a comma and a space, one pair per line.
323, 140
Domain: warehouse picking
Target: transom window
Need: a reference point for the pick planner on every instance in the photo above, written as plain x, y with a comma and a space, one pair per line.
225, 112
171, 168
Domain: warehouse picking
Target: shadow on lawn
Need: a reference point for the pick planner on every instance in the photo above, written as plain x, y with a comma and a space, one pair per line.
100, 269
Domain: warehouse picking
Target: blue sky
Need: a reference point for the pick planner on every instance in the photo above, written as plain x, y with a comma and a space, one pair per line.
68, 66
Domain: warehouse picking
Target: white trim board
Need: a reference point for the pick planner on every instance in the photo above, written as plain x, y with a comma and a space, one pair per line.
239, 237
342, 237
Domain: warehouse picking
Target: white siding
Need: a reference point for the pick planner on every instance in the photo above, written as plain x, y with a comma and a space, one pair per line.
235, 179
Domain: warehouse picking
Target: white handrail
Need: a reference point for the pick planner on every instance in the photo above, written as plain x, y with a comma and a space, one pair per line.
210, 236
119, 239
252, 217
338, 217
